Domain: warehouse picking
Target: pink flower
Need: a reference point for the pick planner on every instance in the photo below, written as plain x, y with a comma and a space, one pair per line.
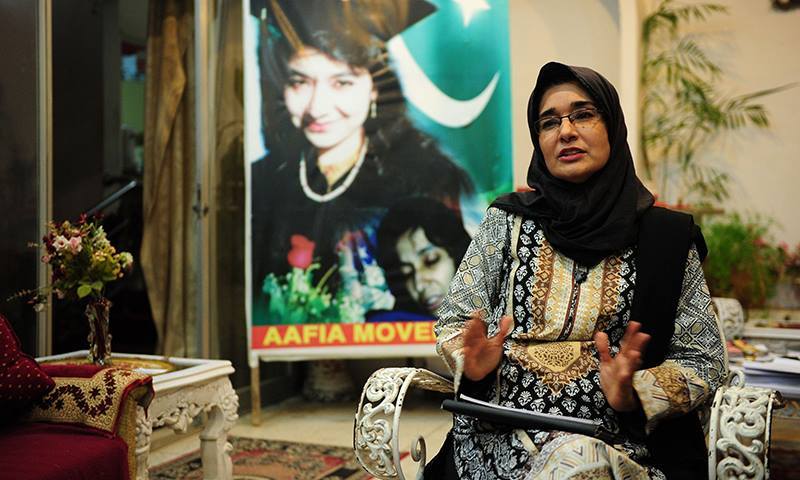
46, 258
75, 244
759, 242
60, 242
302, 252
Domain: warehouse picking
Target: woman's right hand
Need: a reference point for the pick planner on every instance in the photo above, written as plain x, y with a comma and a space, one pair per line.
481, 354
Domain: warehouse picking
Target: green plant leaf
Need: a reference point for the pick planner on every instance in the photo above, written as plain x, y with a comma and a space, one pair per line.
742, 262
84, 290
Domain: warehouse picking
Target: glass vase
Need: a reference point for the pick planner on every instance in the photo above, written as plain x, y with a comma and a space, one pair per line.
99, 334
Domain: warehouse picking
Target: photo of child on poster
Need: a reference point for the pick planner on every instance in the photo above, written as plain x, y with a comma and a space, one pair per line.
341, 140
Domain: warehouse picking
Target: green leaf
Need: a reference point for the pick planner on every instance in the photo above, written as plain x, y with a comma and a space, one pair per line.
84, 290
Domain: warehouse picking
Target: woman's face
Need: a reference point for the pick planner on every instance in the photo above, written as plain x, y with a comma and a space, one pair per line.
328, 99
427, 268
573, 151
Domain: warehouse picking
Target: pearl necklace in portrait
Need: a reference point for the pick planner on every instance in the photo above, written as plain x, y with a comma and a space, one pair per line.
311, 194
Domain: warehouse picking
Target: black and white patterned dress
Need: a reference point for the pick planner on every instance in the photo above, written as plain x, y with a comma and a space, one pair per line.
550, 363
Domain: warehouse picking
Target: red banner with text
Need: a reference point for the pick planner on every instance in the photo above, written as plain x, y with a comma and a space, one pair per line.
342, 334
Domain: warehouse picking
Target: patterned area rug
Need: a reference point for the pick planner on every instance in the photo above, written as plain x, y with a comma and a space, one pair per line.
258, 459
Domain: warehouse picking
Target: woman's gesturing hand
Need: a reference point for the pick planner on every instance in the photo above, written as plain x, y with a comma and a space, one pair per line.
482, 355
616, 373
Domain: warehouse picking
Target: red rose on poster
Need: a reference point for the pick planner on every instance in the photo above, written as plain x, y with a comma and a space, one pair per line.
302, 252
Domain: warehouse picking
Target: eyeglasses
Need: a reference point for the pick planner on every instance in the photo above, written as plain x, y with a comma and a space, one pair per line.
581, 118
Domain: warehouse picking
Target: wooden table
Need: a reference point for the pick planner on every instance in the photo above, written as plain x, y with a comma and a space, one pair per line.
195, 386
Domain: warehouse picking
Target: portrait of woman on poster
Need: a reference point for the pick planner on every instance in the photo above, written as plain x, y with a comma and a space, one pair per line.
341, 150
420, 244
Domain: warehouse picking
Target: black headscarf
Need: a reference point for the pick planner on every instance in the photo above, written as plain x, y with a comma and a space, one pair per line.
585, 221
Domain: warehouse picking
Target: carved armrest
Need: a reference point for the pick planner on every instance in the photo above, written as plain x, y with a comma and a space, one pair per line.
92, 397
731, 315
376, 431
739, 433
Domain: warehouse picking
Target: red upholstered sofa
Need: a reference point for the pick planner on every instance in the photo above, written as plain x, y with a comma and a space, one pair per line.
61, 422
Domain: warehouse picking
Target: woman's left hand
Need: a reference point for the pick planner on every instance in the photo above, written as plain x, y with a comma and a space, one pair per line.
616, 373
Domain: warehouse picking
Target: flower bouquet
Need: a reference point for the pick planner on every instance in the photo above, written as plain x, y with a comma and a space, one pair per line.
294, 297
82, 262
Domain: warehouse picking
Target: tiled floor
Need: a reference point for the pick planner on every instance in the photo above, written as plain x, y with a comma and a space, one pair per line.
327, 424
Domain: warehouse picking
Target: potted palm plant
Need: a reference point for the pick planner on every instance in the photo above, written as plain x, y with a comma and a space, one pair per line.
682, 108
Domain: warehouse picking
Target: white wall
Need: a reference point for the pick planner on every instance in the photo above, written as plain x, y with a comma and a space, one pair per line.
758, 48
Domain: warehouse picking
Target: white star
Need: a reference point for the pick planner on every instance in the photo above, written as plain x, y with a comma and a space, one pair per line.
470, 8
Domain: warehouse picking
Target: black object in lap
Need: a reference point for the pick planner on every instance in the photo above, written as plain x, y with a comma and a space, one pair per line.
529, 420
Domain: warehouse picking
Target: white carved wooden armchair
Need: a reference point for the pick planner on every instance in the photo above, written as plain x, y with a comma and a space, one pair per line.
738, 425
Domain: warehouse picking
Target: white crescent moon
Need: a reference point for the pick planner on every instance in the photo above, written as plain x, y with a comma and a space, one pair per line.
428, 98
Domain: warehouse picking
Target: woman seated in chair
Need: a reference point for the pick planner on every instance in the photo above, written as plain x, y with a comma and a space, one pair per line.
579, 298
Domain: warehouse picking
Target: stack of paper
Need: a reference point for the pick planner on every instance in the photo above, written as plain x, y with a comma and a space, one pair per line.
782, 374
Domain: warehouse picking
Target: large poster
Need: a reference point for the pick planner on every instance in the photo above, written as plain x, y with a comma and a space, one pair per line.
377, 131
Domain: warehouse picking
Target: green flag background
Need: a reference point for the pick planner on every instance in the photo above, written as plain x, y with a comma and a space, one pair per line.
461, 60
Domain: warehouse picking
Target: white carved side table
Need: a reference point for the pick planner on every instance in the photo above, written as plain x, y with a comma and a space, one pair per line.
199, 385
